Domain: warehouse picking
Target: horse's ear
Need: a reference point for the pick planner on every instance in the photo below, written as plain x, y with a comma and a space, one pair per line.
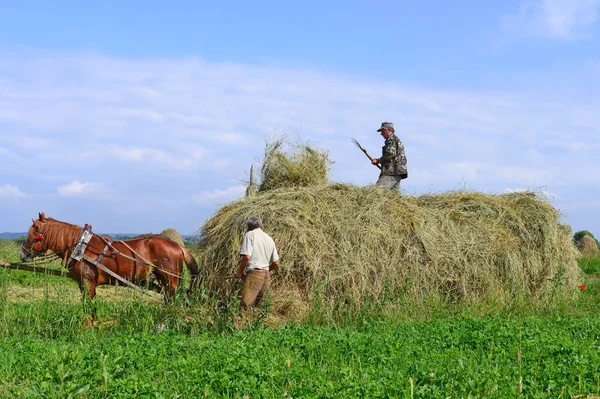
32, 221
42, 216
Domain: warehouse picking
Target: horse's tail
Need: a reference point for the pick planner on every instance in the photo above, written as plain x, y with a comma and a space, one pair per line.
192, 267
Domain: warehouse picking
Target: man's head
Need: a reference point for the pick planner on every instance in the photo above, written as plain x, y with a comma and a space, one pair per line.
386, 129
254, 223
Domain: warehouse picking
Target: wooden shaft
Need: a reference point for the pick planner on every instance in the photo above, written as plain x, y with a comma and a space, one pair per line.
35, 269
371, 158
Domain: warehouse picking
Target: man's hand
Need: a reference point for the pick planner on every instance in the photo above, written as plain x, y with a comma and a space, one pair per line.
375, 161
244, 260
273, 266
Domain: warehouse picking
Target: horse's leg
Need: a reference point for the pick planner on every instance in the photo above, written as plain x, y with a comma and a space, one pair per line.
168, 284
168, 278
86, 277
90, 291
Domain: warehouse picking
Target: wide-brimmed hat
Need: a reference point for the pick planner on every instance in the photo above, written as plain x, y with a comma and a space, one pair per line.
386, 125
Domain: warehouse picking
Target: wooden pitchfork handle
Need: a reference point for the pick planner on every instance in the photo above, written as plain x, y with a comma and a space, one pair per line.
365, 151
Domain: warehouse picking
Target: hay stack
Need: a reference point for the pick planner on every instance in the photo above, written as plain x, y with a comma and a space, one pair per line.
587, 244
349, 244
173, 235
289, 165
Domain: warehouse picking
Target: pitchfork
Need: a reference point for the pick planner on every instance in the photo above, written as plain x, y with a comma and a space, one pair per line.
365, 151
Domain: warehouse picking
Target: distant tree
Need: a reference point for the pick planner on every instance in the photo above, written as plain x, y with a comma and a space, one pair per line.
579, 235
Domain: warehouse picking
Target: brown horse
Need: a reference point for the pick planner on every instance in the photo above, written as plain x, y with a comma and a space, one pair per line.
135, 260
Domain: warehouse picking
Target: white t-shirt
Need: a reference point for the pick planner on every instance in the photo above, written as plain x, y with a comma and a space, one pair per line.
261, 248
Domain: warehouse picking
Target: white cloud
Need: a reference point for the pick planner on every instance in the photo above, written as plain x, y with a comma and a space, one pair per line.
230, 138
142, 114
582, 205
9, 193
593, 65
77, 189
532, 176
573, 146
161, 157
190, 127
467, 170
560, 19
219, 196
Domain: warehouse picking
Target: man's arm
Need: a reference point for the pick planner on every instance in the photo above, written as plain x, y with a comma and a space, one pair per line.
244, 260
273, 266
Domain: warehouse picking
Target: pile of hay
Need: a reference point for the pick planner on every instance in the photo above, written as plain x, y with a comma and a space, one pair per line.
173, 235
587, 244
291, 165
365, 243
350, 244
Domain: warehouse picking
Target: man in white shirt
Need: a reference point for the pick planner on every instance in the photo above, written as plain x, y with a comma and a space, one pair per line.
258, 257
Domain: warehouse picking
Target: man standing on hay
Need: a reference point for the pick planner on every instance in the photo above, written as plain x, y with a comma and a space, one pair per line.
258, 258
393, 159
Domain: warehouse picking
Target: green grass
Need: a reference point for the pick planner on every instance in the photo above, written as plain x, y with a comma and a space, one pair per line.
394, 349
465, 357
9, 250
590, 263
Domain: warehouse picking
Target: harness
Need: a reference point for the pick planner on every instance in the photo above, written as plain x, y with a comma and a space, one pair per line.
79, 255
79, 250
84, 239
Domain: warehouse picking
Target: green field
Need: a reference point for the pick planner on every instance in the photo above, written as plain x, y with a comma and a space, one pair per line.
545, 350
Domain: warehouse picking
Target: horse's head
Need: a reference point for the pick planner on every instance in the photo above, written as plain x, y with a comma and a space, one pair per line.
35, 243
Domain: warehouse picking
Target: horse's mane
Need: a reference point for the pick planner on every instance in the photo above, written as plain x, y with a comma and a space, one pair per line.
59, 234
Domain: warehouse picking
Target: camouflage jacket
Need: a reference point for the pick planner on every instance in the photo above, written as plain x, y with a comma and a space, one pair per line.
393, 158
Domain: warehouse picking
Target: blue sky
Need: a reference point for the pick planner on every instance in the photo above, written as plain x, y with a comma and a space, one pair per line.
140, 116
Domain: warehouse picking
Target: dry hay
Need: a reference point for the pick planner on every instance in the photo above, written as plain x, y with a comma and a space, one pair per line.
349, 244
352, 244
173, 235
587, 244
288, 164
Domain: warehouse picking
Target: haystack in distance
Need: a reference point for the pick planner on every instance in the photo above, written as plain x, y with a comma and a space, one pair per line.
351, 244
173, 235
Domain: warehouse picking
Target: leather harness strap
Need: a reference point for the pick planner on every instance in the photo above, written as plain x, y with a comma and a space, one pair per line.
113, 274
106, 247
